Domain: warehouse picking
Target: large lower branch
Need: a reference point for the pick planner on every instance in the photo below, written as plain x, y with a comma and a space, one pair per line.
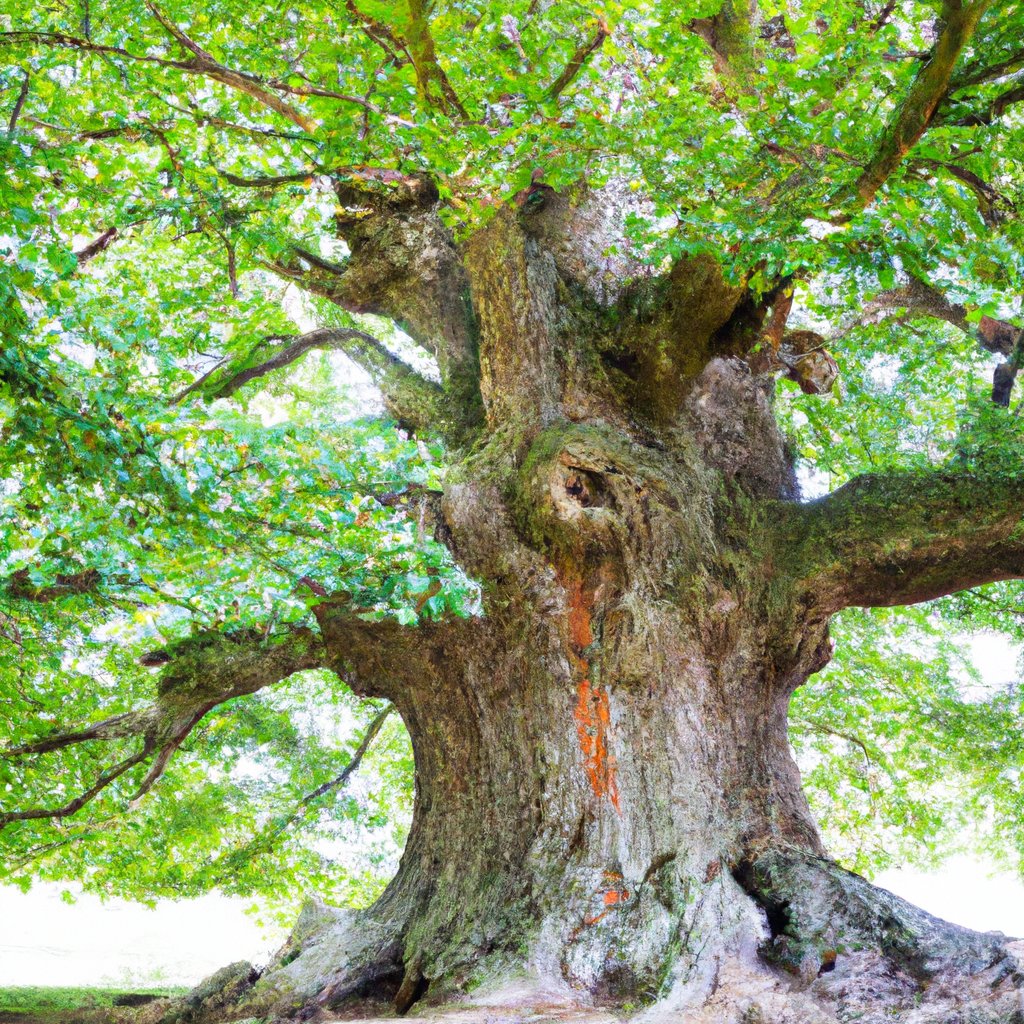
199, 674
900, 538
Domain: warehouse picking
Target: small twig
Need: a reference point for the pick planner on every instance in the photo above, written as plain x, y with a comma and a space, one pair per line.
229, 248
73, 806
95, 247
883, 16
579, 59
19, 103
264, 840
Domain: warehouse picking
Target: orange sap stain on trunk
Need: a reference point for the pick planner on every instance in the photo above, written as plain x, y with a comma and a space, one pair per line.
611, 897
593, 720
593, 711
580, 631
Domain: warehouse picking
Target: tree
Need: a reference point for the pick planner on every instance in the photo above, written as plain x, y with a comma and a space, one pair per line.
604, 235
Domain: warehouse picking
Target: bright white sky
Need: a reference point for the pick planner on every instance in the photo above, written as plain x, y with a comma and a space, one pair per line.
44, 941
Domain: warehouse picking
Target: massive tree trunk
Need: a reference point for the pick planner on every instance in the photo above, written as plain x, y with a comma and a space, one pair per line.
606, 805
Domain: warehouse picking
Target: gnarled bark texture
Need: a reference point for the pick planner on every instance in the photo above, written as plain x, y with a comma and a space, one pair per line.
607, 809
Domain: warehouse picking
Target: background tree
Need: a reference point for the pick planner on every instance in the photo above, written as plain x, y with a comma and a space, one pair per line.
605, 233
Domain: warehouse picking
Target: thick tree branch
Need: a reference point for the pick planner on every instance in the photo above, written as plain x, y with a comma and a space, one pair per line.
380, 33
435, 88
199, 674
978, 73
19, 585
1003, 57
900, 538
920, 299
403, 264
1006, 373
207, 68
105, 779
315, 90
132, 723
277, 352
989, 199
915, 113
917, 298
266, 181
65, 41
377, 182
967, 115
203, 64
96, 246
731, 38
883, 16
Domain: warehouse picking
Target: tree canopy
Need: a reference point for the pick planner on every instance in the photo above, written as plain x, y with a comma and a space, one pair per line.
189, 465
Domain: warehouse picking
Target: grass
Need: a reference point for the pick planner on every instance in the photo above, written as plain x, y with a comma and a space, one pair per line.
39, 1003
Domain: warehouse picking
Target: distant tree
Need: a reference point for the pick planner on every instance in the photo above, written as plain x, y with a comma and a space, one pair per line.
603, 265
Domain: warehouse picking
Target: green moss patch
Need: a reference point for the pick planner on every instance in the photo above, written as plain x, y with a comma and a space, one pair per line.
30, 1004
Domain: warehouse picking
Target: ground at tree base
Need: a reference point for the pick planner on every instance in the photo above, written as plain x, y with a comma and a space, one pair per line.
860, 986
868, 993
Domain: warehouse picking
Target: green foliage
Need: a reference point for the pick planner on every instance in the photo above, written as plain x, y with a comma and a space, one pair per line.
181, 516
229, 812
144, 518
741, 172
907, 754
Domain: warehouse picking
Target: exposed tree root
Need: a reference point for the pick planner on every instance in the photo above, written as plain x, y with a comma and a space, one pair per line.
866, 954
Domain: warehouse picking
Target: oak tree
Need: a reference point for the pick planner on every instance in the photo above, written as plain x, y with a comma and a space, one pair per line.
626, 276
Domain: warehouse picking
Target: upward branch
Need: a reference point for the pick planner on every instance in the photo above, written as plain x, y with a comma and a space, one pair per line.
204, 63
412, 399
915, 113
268, 93
434, 86
404, 265
579, 60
